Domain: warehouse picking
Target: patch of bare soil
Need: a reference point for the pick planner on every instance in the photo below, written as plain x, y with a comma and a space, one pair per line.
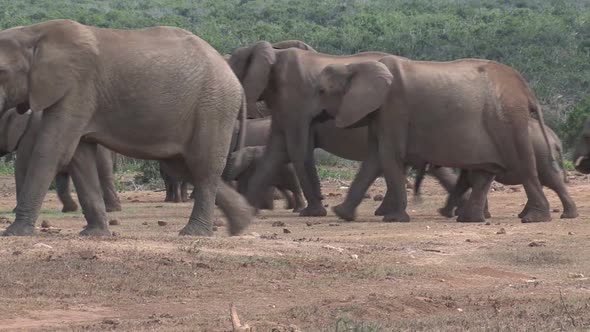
289, 273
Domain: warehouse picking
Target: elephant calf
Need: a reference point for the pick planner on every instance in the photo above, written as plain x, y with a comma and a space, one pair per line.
244, 164
549, 175
18, 132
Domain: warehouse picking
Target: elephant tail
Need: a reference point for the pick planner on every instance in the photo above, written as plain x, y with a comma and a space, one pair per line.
536, 108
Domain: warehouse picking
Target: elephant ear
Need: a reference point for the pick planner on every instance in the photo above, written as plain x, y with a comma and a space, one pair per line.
293, 43
62, 60
367, 88
252, 66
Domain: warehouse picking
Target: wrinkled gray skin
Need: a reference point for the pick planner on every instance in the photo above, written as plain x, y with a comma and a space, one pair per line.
285, 181
284, 76
18, 134
483, 125
549, 175
93, 91
581, 156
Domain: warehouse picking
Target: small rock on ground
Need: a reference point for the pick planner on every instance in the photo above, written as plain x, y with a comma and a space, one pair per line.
162, 223
45, 224
501, 231
114, 222
278, 224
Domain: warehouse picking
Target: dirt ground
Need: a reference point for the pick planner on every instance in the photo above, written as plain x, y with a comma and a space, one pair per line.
288, 273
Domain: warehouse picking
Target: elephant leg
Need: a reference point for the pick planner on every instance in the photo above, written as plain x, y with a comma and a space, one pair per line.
537, 204
20, 170
90, 195
268, 200
394, 172
104, 164
297, 138
311, 169
184, 191
369, 171
455, 197
473, 211
167, 184
176, 196
556, 183
46, 158
267, 167
64, 192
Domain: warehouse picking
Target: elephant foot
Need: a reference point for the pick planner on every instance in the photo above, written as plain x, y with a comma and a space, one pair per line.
397, 217
381, 210
70, 207
19, 229
471, 217
113, 208
569, 214
298, 209
534, 215
446, 212
318, 211
344, 213
96, 232
195, 230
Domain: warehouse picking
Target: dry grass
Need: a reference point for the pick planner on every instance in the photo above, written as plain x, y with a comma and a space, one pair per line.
431, 274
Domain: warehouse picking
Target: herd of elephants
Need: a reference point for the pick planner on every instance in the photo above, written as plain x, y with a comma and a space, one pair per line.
238, 126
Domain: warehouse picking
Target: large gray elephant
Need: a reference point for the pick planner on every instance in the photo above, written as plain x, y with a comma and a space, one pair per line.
549, 175
284, 76
470, 114
167, 95
18, 133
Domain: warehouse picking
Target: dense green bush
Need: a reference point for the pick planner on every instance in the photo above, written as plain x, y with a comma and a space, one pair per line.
575, 121
547, 41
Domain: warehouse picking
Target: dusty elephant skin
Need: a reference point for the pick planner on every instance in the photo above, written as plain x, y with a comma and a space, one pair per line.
283, 75
92, 91
550, 175
401, 99
19, 133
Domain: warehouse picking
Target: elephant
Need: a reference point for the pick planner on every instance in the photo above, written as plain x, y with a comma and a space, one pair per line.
257, 129
167, 96
469, 114
283, 75
581, 156
18, 133
284, 78
549, 176
285, 181
176, 190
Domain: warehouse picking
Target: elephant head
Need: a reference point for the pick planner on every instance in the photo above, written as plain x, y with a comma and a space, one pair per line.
252, 65
242, 159
40, 66
582, 151
349, 93
12, 129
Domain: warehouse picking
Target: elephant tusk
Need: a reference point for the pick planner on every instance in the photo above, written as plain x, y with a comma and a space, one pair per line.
579, 160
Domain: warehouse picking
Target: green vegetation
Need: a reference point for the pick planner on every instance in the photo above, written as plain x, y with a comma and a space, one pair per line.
547, 41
